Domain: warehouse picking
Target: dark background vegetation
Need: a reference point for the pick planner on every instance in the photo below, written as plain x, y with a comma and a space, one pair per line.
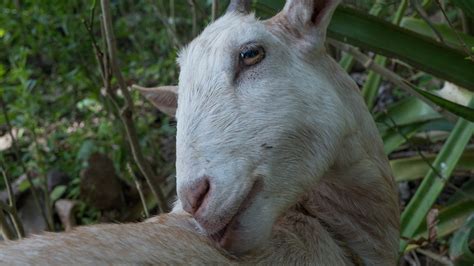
70, 144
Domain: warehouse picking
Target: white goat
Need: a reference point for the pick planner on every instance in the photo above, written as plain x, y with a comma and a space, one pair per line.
278, 158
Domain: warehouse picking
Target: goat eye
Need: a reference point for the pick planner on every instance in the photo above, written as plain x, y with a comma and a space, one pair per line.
252, 55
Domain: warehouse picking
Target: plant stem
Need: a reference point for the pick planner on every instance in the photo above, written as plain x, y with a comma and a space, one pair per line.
13, 210
438, 258
4, 227
126, 113
215, 9
347, 61
163, 18
431, 186
461, 41
192, 4
41, 165
421, 12
22, 164
140, 190
369, 63
372, 85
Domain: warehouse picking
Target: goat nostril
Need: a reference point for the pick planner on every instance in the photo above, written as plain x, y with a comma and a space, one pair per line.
195, 194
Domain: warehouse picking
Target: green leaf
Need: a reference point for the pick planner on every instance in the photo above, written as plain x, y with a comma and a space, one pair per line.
413, 110
460, 195
372, 84
407, 111
2, 70
87, 148
467, 6
457, 109
394, 137
57, 193
434, 181
24, 185
416, 167
408, 117
449, 35
347, 61
450, 219
459, 249
368, 32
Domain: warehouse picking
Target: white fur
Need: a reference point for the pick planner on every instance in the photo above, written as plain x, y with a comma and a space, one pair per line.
224, 125
296, 124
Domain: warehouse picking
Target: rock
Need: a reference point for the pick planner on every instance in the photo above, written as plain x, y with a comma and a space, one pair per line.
65, 210
30, 215
100, 186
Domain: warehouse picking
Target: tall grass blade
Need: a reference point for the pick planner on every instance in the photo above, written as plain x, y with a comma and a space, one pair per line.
368, 32
372, 84
449, 35
450, 219
347, 61
412, 168
460, 249
435, 180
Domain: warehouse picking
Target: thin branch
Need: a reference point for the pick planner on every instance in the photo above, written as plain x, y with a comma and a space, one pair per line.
421, 12
140, 190
440, 259
5, 207
215, 9
422, 156
126, 113
369, 63
192, 4
20, 231
172, 17
464, 21
8, 185
112, 52
12, 203
40, 162
458, 36
411, 259
22, 164
104, 67
5, 228
170, 29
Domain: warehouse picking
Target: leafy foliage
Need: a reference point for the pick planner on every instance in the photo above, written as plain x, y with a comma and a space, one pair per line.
51, 84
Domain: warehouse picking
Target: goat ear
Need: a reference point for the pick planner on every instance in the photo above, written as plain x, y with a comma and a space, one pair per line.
305, 20
164, 98
242, 6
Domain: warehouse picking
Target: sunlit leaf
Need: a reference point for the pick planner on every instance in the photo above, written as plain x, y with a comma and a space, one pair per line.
57, 193
465, 112
416, 167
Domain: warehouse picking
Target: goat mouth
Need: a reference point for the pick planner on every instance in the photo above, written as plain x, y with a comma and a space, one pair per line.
224, 237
